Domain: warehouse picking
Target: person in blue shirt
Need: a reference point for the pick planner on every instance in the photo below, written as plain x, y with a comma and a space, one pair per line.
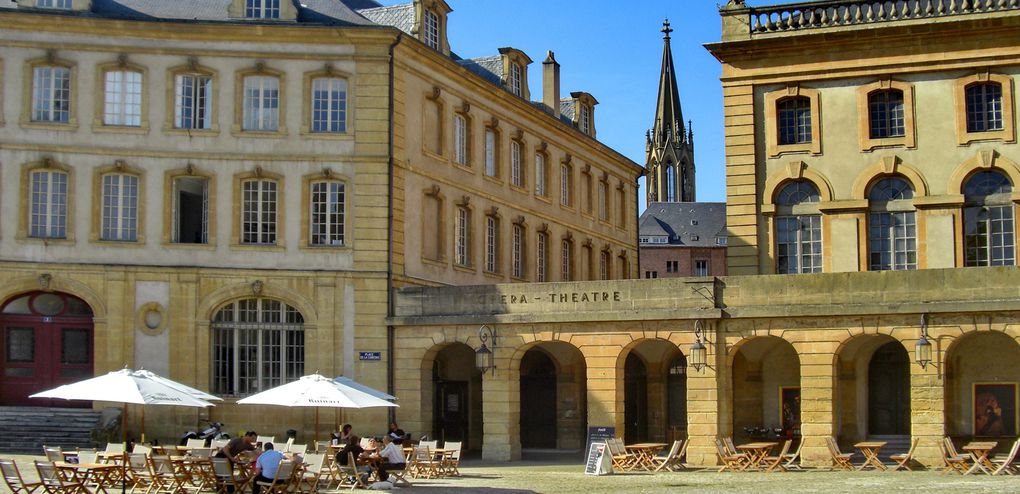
266, 466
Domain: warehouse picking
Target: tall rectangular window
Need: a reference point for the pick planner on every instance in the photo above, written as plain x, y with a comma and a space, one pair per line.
51, 94
193, 101
261, 103
567, 261
885, 109
460, 140
604, 265
514, 81
190, 210
258, 212
327, 213
540, 175
516, 173
462, 233
701, 267
984, 107
603, 201
518, 251
799, 244
565, 185
541, 254
491, 244
122, 99
262, 9
490, 153
48, 216
892, 238
120, 208
586, 119
431, 35
329, 105
794, 120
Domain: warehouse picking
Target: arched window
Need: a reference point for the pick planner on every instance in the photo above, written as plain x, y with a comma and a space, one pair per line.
670, 183
892, 230
258, 343
988, 220
798, 229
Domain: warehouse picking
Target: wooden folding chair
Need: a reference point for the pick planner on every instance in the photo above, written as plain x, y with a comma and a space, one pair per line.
283, 480
1004, 464
348, 475
730, 448
840, 460
618, 452
54, 483
142, 449
315, 467
670, 459
903, 460
423, 463
115, 448
954, 462
163, 476
732, 462
773, 462
195, 443
297, 449
792, 460
53, 453
265, 439
228, 480
138, 471
451, 460
13, 479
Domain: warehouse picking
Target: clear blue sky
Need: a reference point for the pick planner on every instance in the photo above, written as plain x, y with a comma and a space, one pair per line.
613, 50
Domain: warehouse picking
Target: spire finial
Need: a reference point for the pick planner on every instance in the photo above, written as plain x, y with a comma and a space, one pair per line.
666, 29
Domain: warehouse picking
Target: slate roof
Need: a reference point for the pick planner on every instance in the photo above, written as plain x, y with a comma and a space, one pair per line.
490, 68
330, 12
398, 16
675, 220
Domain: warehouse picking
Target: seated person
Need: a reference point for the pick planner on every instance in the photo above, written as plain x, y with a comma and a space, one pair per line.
345, 434
392, 456
396, 433
266, 466
237, 446
353, 446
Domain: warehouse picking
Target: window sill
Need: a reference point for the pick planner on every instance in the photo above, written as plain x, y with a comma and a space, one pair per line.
519, 189
47, 240
327, 136
100, 127
258, 247
237, 131
69, 126
466, 167
494, 275
777, 150
868, 145
1005, 135
211, 132
345, 248
132, 244
568, 207
464, 269
189, 246
543, 198
494, 179
435, 156
439, 263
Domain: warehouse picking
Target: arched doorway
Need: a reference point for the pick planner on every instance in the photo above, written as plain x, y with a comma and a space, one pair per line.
47, 341
981, 370
553, 405
635, 392
766, 390
676, 390
889, 391
457, 397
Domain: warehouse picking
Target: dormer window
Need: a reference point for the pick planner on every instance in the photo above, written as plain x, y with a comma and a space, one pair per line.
514, 81
431, 29
586, 119
53, 4
262, 9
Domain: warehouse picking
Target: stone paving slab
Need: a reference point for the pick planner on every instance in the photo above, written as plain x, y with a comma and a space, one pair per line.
528, 477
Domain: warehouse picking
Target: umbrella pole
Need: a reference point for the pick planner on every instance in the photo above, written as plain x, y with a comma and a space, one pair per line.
124, 424
143, 424
315, 433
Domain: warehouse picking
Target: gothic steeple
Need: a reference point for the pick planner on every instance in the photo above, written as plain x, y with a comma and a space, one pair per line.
669, 145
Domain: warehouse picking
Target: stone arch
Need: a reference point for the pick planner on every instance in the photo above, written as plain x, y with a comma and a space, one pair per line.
889, 165
561, 425
856, 402
645, 395
766, 380
796, 170
237, 291
47, 282
986, 159
968, 376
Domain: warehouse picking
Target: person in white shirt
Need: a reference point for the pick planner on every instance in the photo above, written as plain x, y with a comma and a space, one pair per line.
393, 458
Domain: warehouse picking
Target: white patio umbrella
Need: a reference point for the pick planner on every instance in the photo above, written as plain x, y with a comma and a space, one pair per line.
346, 381
128, 386
316, 390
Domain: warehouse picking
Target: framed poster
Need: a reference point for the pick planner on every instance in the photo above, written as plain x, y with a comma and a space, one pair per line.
995, 409
789, 409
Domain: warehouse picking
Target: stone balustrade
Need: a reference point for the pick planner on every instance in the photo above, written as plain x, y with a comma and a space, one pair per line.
836, 13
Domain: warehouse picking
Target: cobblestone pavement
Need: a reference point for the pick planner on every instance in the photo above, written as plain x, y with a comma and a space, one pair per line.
528, 477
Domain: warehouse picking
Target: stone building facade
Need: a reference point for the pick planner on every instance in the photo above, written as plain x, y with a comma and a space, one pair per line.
871, 166
225, 192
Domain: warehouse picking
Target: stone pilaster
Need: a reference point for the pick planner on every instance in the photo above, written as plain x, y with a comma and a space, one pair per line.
605, 391
927, 411
501, 414
704, 399
816, 403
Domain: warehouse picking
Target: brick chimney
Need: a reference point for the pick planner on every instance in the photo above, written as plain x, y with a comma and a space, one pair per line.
551, 84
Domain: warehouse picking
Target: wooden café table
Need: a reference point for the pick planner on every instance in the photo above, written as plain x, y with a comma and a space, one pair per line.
979, 451
643, 454
870, 451
99, 474
756, 452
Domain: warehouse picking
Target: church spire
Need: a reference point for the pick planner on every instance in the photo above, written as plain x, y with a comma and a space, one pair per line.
670, 146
